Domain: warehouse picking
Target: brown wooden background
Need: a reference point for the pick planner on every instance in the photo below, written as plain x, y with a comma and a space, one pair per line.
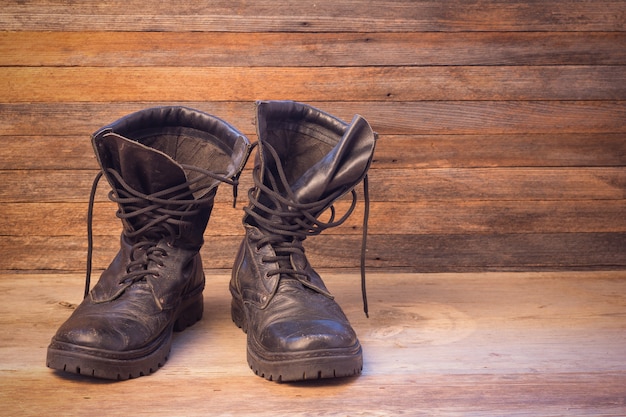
502, 123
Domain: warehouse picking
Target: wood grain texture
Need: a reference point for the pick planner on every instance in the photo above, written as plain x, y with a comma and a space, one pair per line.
400, 252
295, 49
462, 117
488, 344
398, 84
497, 232
423, 217
424, 151
502, 136
406, 185
321, 16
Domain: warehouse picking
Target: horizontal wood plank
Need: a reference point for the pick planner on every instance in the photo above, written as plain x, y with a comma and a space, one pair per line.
96, 84
416, 253
228, 49
386, 218
387, 118
484, 184
424, 151
514, 150
322, 16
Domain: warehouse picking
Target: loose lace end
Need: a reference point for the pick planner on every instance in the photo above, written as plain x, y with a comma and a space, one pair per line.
92, 198
366, 215
235, 191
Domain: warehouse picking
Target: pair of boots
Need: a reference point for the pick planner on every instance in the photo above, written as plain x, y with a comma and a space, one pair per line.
164, 166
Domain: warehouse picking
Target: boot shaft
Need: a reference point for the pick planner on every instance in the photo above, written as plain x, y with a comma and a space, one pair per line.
308, 156
167, 162
187, 136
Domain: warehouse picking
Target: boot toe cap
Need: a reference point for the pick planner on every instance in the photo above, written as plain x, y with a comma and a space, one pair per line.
97, 334
309, 335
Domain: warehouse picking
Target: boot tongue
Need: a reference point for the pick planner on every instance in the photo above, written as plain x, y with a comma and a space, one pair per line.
144, 169
342, 168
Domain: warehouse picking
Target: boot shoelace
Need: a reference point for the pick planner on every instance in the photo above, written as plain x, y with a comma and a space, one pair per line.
166, 215
287, 225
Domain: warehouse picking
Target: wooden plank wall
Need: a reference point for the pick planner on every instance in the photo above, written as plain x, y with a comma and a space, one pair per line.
502, 123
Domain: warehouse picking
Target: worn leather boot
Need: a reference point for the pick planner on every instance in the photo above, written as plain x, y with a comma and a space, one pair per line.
164, 166
306, 160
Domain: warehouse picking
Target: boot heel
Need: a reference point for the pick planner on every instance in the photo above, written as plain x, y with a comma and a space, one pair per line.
237, 314
190, 315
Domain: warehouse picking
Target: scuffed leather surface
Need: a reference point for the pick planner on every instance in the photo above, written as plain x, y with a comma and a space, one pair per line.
179, 272
150, 150
256, 286
121, 317
187, 136
321, 156
284, 314
148, 171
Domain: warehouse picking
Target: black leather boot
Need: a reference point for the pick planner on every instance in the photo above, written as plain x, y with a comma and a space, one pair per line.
164, 166
306, 160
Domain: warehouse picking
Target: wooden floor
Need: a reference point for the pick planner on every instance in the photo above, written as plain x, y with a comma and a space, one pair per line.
488, 344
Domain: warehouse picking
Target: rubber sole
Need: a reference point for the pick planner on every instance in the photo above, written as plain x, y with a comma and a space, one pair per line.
120, 366
300, 366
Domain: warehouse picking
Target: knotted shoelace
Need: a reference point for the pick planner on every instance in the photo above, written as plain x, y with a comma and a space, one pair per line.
164, 210
286, 223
